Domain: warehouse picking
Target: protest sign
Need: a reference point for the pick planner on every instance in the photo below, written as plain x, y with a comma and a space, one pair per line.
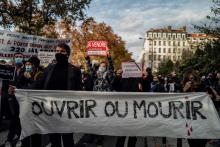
46, 57
7, 72
12, 42
97, 48
177, 115
131, 69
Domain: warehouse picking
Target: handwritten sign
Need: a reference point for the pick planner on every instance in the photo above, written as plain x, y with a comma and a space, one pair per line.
97, 48
13, 42
131, 69
177, 115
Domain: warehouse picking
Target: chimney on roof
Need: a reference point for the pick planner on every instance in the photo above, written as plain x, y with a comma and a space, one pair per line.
169, 27
184, 28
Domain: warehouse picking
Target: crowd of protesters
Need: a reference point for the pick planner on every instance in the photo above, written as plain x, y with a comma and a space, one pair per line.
61, 75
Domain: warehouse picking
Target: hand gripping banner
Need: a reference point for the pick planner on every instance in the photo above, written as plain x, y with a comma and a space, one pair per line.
177, 115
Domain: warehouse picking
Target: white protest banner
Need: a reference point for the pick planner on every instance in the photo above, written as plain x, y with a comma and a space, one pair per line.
97, 48
177, 115
131, 69
46, 57
13, 42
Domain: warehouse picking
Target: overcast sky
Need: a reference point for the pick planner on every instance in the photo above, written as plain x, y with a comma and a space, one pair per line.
130, 19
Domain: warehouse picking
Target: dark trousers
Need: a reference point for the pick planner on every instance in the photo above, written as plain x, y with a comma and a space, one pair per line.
32, 141
131, 141
55, 140
197, 142
15, 126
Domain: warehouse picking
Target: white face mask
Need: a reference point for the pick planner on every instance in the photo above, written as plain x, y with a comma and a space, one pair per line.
102, 69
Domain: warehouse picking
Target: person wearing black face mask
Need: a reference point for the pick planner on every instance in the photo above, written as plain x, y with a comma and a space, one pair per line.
59, 76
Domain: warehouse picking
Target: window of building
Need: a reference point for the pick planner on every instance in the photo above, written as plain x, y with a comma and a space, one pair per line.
178, 50
164, 58
159, 57
183, 36
155, 57
169, 50
149, 35
174, 43
159, 35
169, 36
164, 43
159, 43
169, 43
183, 43
174, 58
150, 57
164, 35
155, 64
159, 50
164, 50
179, 58
178, 43
155, 42
155, 35
174, 50
174, 36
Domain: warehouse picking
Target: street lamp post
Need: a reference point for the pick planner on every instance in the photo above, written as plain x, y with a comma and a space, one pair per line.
151, 44
144, 54
152, 52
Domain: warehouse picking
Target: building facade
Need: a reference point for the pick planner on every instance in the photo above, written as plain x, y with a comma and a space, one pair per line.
196, 41
167, 43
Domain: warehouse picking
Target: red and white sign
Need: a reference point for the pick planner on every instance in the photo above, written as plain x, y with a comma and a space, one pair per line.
131, 69
97, 48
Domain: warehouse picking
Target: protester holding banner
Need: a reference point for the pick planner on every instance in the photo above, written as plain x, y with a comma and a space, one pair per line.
128, 84
32, 72
60, 76
191, 83
14, 128
103, 79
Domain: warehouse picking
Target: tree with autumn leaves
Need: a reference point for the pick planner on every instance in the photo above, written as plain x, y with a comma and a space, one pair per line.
90, 30
41, 17
31, 16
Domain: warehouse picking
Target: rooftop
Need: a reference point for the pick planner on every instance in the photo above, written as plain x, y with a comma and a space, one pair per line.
199, 35
168, 30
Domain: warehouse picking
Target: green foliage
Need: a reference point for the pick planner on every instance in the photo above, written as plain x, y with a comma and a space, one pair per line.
204, 61
166, 67
31, 16
212, 25
208, 59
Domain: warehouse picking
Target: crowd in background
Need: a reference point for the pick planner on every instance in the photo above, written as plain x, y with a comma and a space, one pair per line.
96, 77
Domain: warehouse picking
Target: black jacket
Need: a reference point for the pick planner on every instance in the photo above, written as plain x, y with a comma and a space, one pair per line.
73, 78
